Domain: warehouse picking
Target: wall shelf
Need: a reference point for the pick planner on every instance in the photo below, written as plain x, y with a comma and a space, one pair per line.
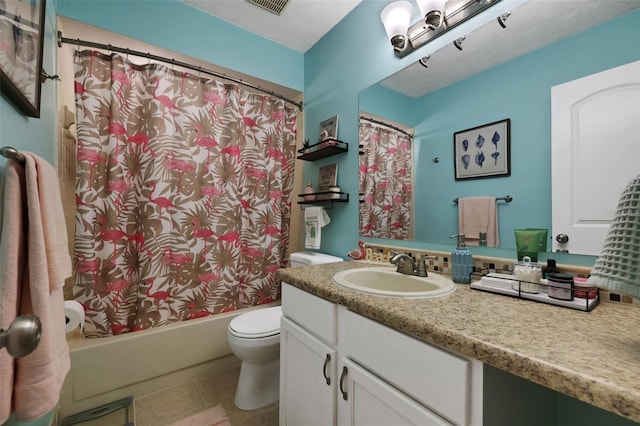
323, 149
322, 198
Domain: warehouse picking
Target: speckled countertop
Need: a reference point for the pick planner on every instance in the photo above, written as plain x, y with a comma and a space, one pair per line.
592, 356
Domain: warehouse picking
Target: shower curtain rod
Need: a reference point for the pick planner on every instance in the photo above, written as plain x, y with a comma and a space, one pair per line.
171, 61
362, 117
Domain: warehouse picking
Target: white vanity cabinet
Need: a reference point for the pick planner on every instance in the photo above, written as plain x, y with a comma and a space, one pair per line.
308, 359
340, 368
437, 387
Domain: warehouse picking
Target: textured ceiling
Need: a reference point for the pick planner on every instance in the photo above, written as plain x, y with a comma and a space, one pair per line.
300, 25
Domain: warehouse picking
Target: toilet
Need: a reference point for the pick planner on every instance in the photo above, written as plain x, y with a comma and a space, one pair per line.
254, 337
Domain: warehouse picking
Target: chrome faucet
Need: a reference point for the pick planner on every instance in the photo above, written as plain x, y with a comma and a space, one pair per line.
405, 263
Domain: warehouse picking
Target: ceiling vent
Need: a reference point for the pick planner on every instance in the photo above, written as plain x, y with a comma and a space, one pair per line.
273, 6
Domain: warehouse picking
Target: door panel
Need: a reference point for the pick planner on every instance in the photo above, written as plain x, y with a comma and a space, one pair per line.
595, 152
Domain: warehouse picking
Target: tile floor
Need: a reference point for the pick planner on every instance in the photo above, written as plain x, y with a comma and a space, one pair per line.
166, 406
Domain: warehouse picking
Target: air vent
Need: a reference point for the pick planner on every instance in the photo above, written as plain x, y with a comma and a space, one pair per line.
274, 6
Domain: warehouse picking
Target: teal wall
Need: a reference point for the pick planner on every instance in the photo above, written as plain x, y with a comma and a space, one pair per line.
518, 89
174, 25
33, 134
521, 90
387, 103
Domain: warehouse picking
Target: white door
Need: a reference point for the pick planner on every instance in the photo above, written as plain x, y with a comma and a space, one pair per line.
366, 400
595, 133
307, 378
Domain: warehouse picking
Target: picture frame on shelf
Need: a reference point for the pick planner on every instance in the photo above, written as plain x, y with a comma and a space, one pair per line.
327, 177
483, 151
329, 129
22, 35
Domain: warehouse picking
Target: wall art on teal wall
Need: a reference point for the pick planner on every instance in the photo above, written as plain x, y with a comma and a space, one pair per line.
22, 34
483, 151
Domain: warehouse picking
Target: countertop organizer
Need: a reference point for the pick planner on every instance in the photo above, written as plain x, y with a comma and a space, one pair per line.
508, 282
323, 149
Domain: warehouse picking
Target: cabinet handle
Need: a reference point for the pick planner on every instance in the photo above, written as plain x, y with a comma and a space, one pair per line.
327, 360
342, 376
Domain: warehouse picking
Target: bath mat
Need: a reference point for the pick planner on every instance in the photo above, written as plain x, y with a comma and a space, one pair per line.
215, 416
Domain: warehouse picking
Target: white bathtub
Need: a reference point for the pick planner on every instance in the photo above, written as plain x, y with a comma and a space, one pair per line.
134, 364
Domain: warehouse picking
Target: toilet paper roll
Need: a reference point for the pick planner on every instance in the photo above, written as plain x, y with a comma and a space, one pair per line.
74, 315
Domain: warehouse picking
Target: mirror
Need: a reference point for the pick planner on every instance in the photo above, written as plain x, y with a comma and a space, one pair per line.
500, 73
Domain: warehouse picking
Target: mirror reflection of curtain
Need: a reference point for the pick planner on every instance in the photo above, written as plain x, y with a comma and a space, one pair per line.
183, 194
385, 182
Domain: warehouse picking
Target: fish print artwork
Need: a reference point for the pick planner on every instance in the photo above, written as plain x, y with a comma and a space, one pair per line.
483, 151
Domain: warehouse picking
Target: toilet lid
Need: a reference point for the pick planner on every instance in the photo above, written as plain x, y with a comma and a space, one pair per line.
258, 323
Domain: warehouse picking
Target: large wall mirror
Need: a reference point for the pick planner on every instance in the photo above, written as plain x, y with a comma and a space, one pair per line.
496, 74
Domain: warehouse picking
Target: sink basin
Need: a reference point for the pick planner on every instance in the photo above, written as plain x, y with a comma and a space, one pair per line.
385, 281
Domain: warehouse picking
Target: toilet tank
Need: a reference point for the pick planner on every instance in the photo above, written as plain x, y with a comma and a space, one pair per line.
305, 258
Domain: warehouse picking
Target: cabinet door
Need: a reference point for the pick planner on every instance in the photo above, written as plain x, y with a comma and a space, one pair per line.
307, 378
366, 400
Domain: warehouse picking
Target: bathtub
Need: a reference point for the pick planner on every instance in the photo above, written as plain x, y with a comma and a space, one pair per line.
134, 364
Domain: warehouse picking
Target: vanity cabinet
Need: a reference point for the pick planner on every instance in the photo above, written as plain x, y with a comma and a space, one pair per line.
307, 378
308, 359
338, 367
367, 400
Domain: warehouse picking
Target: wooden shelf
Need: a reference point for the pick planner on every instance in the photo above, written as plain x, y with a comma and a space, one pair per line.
323, 149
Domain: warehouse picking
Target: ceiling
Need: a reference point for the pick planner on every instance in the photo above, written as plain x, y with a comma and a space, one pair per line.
300, 25
532, 25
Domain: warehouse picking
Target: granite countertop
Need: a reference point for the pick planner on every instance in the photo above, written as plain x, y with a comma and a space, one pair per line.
592, 356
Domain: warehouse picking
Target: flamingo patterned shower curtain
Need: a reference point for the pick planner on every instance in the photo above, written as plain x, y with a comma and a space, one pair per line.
385, 182
183, 194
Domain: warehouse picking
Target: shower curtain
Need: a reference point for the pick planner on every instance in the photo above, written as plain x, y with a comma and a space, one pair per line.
183, 194
385, 182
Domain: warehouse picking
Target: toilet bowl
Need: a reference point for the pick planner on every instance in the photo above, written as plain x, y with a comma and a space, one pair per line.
254, 337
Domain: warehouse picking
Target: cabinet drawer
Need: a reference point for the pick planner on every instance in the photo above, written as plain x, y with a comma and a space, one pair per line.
310, 312
436, 378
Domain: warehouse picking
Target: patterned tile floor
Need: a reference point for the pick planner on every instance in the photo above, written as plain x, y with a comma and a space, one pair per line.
166, 406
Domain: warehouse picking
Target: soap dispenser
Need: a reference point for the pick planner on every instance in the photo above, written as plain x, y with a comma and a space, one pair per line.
461, 262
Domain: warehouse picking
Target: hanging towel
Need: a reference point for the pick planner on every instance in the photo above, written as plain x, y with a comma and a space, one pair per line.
314, 219
34, 262
478, 214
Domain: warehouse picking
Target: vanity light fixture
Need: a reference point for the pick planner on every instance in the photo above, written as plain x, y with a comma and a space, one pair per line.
437, 17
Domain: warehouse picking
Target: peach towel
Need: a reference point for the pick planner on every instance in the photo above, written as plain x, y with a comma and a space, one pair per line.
34, 262
478, 214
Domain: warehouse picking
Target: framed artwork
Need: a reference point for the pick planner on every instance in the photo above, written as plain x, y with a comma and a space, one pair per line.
329, 128
22, 39
483, 151
327, 177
